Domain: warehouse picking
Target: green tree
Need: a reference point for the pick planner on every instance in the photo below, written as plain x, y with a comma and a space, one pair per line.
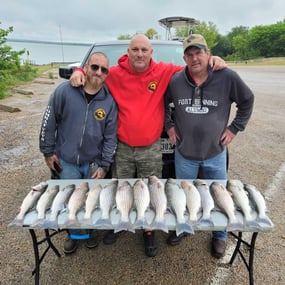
10, 64
151, 34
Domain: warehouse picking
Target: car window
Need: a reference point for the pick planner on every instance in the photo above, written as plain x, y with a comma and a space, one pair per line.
161, 52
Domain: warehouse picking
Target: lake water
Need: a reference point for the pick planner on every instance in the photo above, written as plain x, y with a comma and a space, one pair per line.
45, 53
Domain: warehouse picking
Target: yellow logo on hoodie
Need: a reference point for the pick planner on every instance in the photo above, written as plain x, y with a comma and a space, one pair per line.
99, 114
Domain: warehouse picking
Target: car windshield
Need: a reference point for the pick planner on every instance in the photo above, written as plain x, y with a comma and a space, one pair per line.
161, 52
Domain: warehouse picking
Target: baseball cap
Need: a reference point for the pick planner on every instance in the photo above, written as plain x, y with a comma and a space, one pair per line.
194, 40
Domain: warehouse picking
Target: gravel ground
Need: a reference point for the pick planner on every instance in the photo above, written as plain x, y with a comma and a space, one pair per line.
256, 157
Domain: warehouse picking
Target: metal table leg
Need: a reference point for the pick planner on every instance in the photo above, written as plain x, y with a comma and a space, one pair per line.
39, 258
249, 263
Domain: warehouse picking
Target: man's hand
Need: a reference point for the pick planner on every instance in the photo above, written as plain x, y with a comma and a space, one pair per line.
99, 173
77, 78
53, 163
172, 135
227, 137
217, 63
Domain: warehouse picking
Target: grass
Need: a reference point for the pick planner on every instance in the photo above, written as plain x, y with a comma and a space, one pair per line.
259, 62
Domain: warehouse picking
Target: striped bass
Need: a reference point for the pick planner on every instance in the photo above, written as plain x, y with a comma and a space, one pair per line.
75, 203
141, 202
124, 202
206, 201
92, 201
29, 202
259, 203
193, 201
225, 202
158, 200
177, 198
44, 203
106, 202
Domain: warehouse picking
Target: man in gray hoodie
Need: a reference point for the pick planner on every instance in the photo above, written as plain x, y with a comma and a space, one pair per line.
201, 132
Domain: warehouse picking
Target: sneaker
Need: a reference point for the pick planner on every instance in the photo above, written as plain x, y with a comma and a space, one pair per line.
218, 248
70, 245
110, 237
173, 239
93, 240
150, 244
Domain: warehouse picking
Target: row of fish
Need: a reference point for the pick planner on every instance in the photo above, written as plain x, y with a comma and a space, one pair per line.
190, 203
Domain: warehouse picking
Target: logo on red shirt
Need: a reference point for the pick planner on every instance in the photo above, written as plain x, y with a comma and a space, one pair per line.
152, 86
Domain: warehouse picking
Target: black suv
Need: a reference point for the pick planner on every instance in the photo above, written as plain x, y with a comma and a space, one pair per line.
166, 51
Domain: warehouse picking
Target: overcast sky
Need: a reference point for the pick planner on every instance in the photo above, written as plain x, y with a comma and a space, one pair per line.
95, 20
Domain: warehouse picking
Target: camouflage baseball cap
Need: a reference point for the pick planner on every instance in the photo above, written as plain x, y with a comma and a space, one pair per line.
195, 40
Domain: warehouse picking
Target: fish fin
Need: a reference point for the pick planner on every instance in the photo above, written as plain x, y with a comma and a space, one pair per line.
50, 225
69, 223
207, 221
124, 226
252, 224
103, 223
264, 220
184, 228
87, 221
16, 222
155, 225
234, 227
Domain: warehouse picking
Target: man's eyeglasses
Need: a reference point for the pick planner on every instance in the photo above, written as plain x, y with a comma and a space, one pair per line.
96, 67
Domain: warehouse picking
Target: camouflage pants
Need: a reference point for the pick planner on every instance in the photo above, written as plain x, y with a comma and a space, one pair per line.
141, 162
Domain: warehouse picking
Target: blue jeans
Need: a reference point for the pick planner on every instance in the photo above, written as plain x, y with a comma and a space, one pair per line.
73, 171
212, 168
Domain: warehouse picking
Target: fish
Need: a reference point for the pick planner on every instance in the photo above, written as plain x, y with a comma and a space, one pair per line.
158, 200
241, 200
141, 202
29, 202
58, 204
177, 199
193, 201
44, 203
106, 202
92, 201
259, 203
206, 200
225, 202
124, 202
75, 203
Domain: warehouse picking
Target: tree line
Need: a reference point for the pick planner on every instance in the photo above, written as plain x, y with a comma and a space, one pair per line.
241, 43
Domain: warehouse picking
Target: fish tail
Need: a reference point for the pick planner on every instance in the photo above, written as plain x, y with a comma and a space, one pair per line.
159, 226
38, 222
101, 223
69, 223
139, 224
184, 228
236, 226
264, 220
50, 225
124, 226
87, 221
16, 222
252, 224
207, 221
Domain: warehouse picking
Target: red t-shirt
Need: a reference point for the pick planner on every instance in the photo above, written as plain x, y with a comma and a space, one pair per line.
139, 97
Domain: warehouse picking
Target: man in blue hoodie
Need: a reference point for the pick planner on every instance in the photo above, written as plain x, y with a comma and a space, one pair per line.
78, 135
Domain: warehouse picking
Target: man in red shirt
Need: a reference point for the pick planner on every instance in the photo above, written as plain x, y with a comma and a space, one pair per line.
138, 85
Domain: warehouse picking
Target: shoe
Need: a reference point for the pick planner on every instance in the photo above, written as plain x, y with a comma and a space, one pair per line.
93, 240
150, 244
218, 248
173, 239
70, 245
110, 237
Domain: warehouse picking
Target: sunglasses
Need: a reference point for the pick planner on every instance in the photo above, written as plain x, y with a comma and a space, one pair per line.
96, 67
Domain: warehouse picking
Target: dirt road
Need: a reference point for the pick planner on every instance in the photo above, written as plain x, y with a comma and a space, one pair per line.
257, 156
